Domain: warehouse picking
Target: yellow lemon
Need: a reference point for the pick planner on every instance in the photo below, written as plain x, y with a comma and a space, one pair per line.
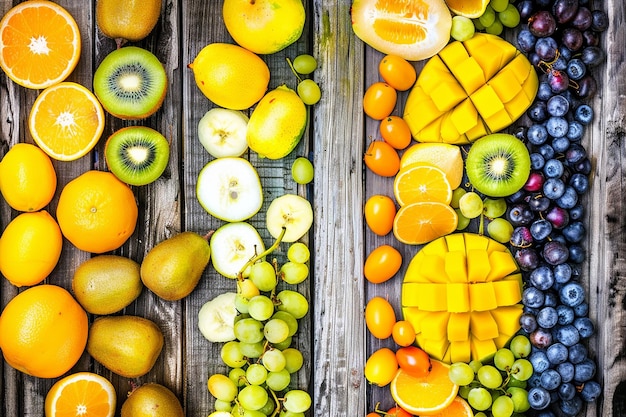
230, 76
28, 177
30, 248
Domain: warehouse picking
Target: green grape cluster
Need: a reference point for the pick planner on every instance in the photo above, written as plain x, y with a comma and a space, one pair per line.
261, 359
498, 388
469, 205
498, 15
308, 90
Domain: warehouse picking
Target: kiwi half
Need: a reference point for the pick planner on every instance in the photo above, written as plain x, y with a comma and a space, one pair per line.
498, 165
131, 83
137, 155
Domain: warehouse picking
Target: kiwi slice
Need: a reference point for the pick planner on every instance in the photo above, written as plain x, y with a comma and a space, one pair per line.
130, 82
137, 155
498, 165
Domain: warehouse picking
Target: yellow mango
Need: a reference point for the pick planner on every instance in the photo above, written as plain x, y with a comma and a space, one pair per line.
460, 351
435, 348
505, 84
456, 266
433, 268
432, 297
415, 316
435, 326
458, 327
507, 318
458, 297
482, 296
482, 350
499, 120
478, 266
508, 292
483, 326
487, 102
455, 242
475, 241
502, 264
464, 117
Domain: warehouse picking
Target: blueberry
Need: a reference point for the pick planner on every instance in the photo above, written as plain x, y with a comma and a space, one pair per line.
547, 317
575, 131
542, 278
560, 144
538, 111
577, 353
565, 313
528, 322
532, 297
562, 273
579, 182
557, 127
572, 294
574, 232
585, 327
546, 151
540, 229
568, 199
550, 379
557, 105
581, 310
526, 40
566, 370
553, 188
546, 48
592, 56
568, 335
538, 398
584, 166
544, 92
584, 371
553, 168
537, 134
583, 114
536, 161
577, 254
576, 212
591, 391
534, 381
551, 299
557, 353
567, 391
571, 408
576, 69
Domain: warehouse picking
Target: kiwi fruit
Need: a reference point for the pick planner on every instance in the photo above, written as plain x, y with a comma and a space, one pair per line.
137, 155
131, 83
498, 165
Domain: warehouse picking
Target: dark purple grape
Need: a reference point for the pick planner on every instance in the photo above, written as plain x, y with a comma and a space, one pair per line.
599, 21
558, 217
539, 203
587, 87
521, 237
591, 38
526, 40
572, 38
592, 56
542, 24
540, 229
535, 181
528, 322
546, 48
558, 80
541, 339
526, 8
582, 20
564, 10
575, 154
555, 253
584, 166
527, 259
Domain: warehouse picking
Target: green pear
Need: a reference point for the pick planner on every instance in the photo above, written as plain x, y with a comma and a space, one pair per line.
173, 268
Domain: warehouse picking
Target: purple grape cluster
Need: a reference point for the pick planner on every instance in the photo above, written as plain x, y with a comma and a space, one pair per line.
561, 38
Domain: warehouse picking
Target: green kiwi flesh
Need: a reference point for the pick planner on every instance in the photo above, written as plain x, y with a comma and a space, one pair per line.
131, 83
498, 165
137, 155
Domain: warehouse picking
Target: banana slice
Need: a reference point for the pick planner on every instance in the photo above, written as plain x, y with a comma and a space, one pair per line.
229, 188
232, 245
292, 212
223, 132
216, 318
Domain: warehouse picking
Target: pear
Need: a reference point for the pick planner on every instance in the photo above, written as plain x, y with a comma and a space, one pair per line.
127, 345
127, 20
152, 400
173, 268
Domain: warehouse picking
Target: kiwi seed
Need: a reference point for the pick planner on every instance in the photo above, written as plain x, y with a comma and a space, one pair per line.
130, 83
137, 155
498, 165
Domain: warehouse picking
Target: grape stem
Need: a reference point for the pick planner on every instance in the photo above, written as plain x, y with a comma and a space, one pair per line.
277, 402
293, 70
266, 252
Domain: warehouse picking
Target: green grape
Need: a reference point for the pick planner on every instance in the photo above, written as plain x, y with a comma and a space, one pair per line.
278, 381
489, 376
220, 405
520, 346
298, 252
287, 413
248, 330
520, 399
252, 350
252, 397
471, 205
509, 17
284, 344
488, 17
238, 376
495, 28
516, 383
475, 365
494, 207
276, 331
457, 193
503, 359
260, 307
274, 360
293, 302
294, 272
256, 374
479, 26
502, 407
293, 360
289, 319
297, 401
309, 91
499, 5
464, 391
480, 414
462, 28
241, 303
522, 369
222, 387
463, 221
461, 373
263, 275
500, 229
231, 355
304, 64
269, 407
302, 170
479, 398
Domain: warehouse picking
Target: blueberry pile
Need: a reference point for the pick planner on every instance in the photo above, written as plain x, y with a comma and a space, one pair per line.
561, 39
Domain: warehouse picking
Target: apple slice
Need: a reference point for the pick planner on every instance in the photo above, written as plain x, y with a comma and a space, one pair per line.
229, 188
216, 318
222, 132
232, 246
292, 212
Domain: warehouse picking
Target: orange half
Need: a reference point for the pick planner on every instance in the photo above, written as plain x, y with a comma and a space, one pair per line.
468, 8
421, 182
457, 408
39, 44
419, 223
82, 394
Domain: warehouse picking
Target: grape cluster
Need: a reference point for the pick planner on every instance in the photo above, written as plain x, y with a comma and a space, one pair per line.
489, 210
497, 389
498, 15
261, 358
308, 90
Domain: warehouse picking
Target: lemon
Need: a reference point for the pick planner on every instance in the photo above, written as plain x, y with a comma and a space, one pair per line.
28, 177
230, 76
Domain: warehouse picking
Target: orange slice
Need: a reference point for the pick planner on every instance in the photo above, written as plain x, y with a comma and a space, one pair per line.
426, 395
66, 121
39, 44
421, 182
444, 156
468, 8
457, 408
82, 394
419, 223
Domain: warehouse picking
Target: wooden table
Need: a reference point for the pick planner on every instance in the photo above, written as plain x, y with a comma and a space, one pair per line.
333, 334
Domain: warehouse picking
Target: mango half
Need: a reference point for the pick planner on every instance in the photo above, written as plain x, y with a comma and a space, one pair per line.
469, 90
462, 293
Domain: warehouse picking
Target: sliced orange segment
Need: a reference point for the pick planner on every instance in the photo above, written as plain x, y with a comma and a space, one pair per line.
444, 156
468, 8
427, 395
421, 182
457, 408
420, 223
66, 121
82, 394
39, 44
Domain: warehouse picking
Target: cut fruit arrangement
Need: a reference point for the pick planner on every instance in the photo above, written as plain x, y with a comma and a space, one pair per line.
505, 305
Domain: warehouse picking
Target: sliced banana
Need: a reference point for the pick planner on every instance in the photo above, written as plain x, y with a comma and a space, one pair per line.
232, 246
292, 212
216, 318
223, 132
229, 188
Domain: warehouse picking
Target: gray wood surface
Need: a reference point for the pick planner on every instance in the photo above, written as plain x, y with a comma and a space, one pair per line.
333, 334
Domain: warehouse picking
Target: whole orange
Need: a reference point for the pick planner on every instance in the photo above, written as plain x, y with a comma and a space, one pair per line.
43, 331
97, 212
